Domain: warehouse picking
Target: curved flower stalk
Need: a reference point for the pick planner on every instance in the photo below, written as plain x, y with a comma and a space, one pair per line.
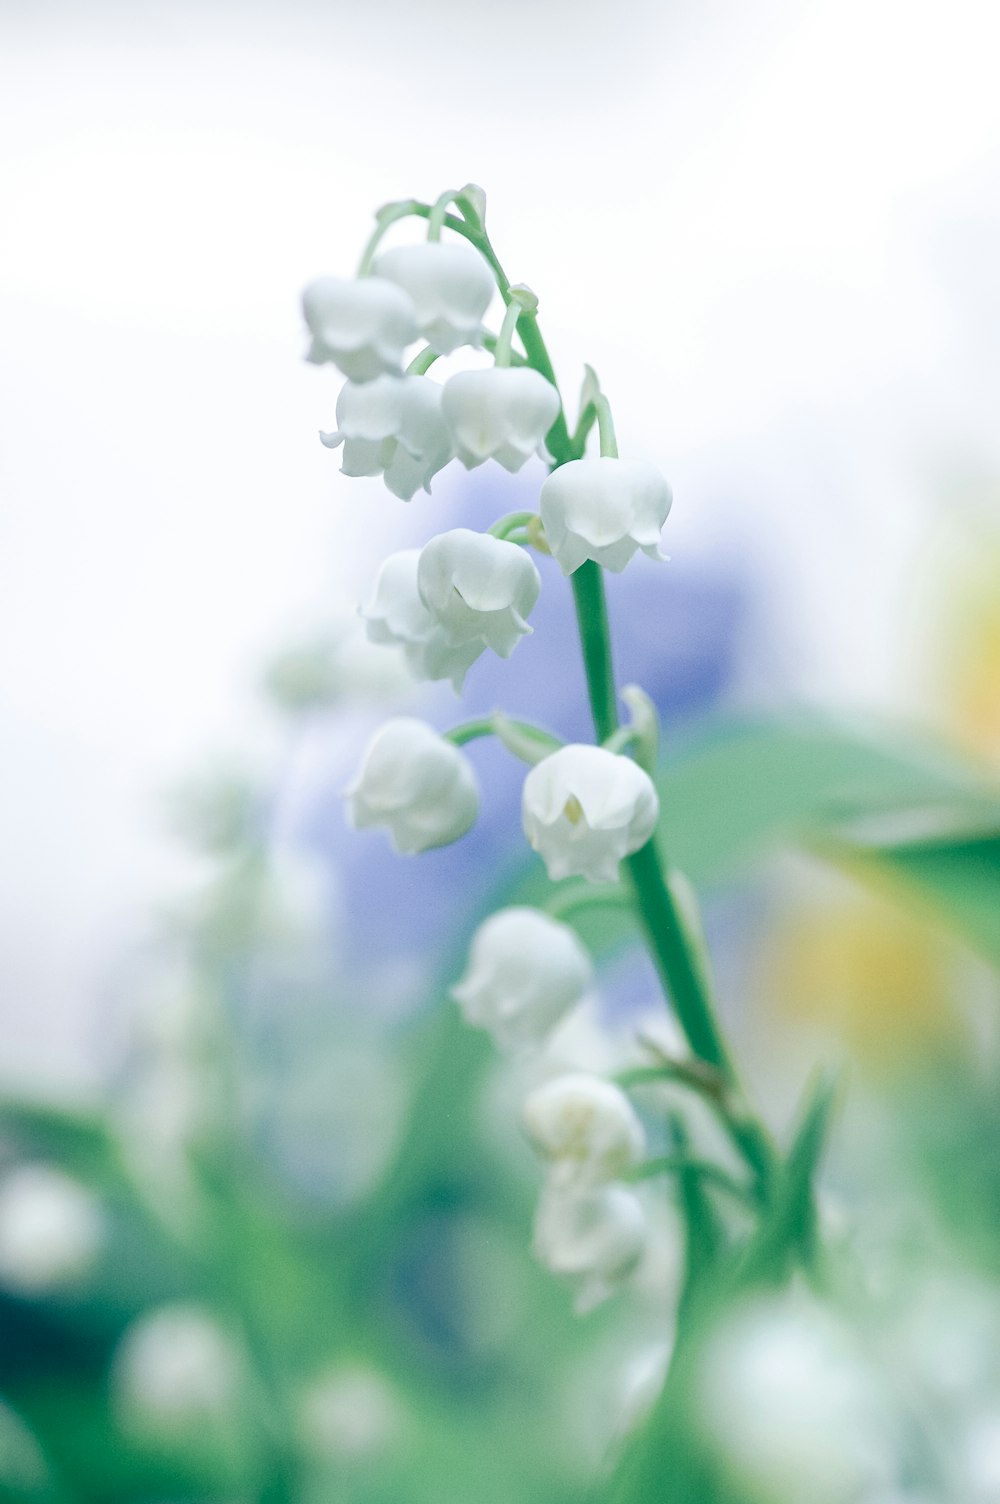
590, 811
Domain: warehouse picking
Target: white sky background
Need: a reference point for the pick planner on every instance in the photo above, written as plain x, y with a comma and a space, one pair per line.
773, 227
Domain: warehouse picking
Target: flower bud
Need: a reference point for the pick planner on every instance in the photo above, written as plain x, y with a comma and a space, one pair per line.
603, 509
415, 783
50, 1228
450, 286
392, 426
362, 326
478, 588
585, 808
585, 1127
525, 971
397, 615
595, 1237
502, 413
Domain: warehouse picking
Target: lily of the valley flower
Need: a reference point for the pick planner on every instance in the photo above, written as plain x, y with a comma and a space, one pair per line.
594, 1237
449, 285
396, 615
50, 1228
585, 809
603, 509
392, 426
586, 1129
362, 325
417, 784
525, 971
478, 588
502, 413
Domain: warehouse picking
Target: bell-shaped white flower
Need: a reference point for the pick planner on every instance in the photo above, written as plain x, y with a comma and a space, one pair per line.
502, 414
50, 1228
603, 509
478, 588
594, 1237
586, 1129
392, 426
362, 324
525, 971
396, 615
450, 286
175, 1367
585, 808
417, 784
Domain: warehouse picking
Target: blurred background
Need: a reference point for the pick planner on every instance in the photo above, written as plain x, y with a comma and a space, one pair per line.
773, 229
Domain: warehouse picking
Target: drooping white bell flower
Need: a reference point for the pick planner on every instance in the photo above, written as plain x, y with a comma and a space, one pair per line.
525, 971
50, 1228
603, 509
595, 1237
392, 426
585, 808
361, 324
417, 784
450, 286
175, 1367
586, 1129
502, 414
478, 588
396, 615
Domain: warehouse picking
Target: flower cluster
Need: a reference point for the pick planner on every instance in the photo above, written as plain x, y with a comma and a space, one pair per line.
585, 809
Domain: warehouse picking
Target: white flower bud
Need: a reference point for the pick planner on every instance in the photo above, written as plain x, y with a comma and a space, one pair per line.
595, 1237
362, 326
50, 1228
525, 971
392, 426
450, 286
502, 413
585, 808
585, 1127
603, 509
415, 783
175, 1367
396, 615
478, 588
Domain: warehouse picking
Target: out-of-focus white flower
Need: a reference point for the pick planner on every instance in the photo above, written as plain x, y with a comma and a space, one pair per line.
603, 509
349, 1413
393, 427
641, 1384
594, 1237
397, 615
979, 1458
585, 808
175, 1367
525, 971
478, 588
792, 1407
449, 285
415, 783
362, 325
585, 1127
502, 414
50, 1228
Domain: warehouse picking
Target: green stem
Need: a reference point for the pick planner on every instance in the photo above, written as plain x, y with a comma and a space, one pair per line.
513, 522
469, 731
679, 1164
422, 362
586, 896
383, 219
606, 426
438, 214
504, 345
595, 638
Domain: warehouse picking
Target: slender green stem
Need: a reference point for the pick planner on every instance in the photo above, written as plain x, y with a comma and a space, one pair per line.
422, 362
622, 739
513, 522
439, 210
606, 424
385, 217
503, 350
469, 731
595, 637
570, 900
678, 1164
527, 741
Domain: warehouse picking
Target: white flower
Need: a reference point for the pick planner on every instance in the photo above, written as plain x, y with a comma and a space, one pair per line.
502, 413
349, 1412
415, 783
585, 808
396, 615
449, 285
525, 971
362, 326
175, 1366
50, 1228
585, 1127
478, 588
392, 426
595, 1237
603, 509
